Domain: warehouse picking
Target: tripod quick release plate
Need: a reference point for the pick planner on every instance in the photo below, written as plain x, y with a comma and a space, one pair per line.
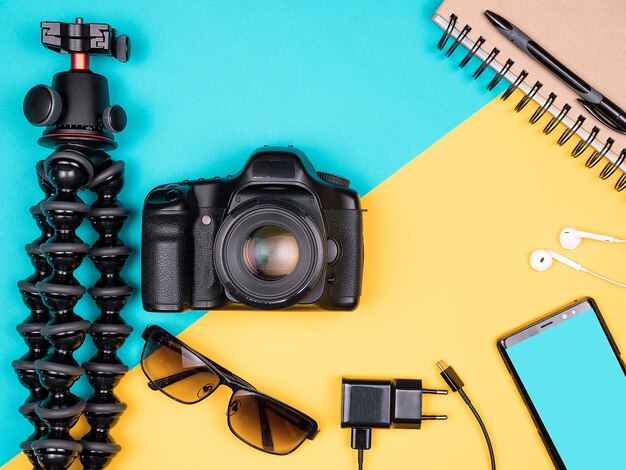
86, 38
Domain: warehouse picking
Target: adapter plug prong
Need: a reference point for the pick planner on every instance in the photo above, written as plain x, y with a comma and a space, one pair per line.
434, 417
434, 392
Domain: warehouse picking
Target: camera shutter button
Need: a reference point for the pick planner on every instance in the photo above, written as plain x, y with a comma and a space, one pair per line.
334, 179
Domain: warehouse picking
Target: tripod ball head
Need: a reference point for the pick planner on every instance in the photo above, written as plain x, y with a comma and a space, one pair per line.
76, 107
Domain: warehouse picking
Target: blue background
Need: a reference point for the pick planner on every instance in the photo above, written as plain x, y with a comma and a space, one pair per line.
359, 86
562, 368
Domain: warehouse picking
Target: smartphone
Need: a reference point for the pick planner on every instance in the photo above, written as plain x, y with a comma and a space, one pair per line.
572, 379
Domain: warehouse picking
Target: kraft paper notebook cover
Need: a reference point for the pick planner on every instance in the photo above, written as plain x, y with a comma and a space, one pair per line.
585, 36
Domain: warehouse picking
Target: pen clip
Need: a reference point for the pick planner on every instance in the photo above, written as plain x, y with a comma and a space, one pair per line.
596, 111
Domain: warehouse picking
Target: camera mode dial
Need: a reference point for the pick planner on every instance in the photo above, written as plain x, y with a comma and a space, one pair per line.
334, 179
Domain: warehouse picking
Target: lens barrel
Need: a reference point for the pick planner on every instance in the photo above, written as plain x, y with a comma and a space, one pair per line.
269, 253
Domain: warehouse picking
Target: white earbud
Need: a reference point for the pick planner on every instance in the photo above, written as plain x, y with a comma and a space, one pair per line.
540, 260
570, 237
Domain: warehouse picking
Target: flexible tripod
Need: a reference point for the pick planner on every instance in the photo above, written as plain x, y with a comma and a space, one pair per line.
79, 124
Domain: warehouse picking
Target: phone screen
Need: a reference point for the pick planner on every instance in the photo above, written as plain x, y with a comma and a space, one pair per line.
576, 383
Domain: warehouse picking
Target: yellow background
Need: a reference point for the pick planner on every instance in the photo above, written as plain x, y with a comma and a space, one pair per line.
447, 244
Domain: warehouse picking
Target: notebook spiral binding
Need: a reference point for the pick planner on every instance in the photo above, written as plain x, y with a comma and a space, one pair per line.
581, 146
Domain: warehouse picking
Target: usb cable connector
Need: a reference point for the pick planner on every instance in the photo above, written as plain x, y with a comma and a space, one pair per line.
456, 385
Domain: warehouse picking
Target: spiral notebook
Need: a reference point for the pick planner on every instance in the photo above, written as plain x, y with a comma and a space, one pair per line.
585, 36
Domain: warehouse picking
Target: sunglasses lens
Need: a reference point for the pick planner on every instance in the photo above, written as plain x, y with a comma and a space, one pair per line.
265, 423
177, 371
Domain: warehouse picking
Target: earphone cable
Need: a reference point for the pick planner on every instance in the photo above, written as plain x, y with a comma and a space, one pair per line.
603, 278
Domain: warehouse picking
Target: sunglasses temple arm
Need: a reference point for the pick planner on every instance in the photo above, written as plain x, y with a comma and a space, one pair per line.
284, 416
266, 432
174, 378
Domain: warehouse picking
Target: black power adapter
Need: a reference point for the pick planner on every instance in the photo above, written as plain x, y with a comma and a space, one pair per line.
387, 403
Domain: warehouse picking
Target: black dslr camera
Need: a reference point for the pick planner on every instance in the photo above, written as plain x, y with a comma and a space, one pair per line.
275, 235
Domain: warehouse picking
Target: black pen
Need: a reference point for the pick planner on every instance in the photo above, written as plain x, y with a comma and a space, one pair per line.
591, 99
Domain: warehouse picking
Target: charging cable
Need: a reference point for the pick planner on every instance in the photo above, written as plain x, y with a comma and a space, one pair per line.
456, 385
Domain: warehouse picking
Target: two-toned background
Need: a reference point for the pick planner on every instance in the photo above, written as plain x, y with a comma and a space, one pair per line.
459, 190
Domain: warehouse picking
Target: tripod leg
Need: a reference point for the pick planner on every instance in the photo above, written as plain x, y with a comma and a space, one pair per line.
30, 328
108, 331
68, 170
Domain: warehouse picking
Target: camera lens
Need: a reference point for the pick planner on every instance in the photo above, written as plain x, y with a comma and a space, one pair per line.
271, 252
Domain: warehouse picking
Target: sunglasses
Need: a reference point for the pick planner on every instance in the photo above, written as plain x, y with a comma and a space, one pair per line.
187, 376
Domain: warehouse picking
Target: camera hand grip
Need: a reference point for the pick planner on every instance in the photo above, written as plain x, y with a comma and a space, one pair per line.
166, 260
